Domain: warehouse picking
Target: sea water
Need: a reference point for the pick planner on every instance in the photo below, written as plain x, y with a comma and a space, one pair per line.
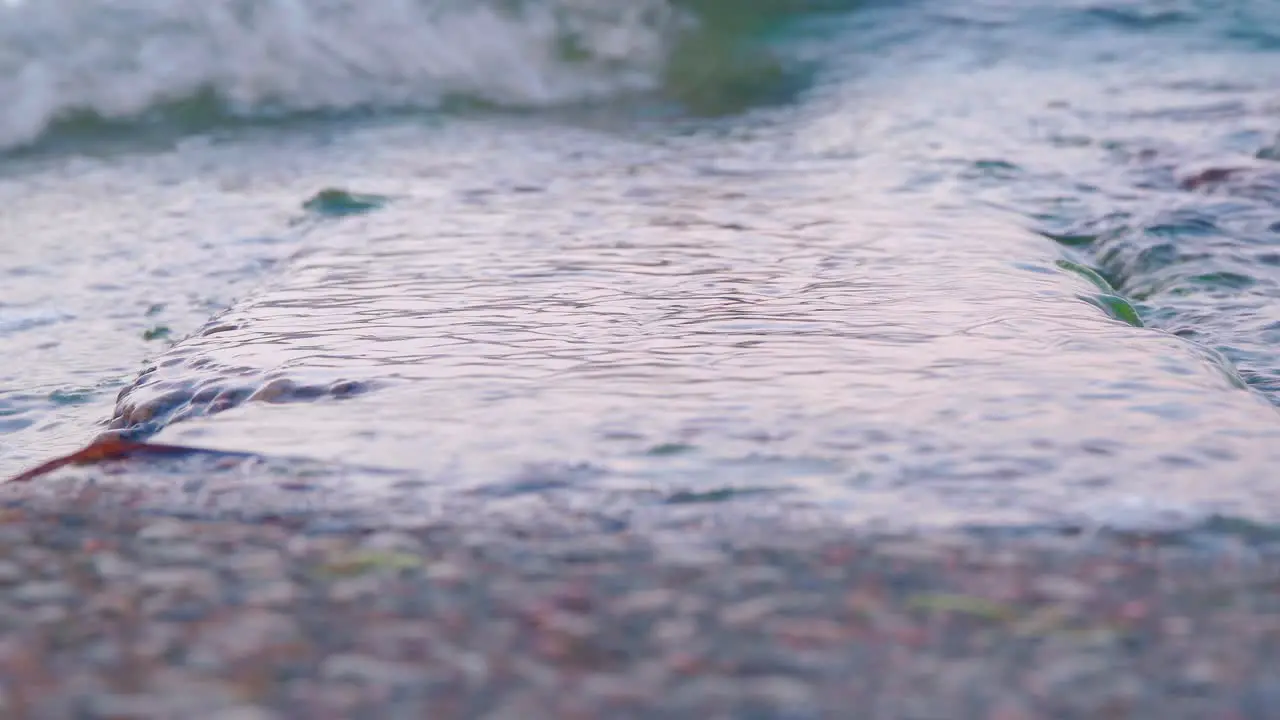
903, 263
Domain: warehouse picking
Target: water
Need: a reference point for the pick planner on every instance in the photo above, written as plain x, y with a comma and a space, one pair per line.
899, 263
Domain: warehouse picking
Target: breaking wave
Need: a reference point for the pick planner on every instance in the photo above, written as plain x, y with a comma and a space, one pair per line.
72, 62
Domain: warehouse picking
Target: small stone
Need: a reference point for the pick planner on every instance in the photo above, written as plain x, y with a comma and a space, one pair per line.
618, 688
243, 712
306, 545
1070, 671
35, 558
750, 612
256, 564
105, 654
446, 572
706, 691
1178, 626
110, 566
36, 593
1011, 709
193, 580
175, 694
782, 692
646, 601
270, 594
46, 615
393, 542
178, 553
674, 632
1058, 587
365, 587
127, 706
911, 551
373, 671
11, 617
10, 573
240, 637
571, 625
162, 531
157, 639
1202, 672
689, 555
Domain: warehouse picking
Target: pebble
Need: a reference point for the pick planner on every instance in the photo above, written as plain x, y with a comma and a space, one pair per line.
1201, 672
35, 593
283, 629
35, 558
10, 573
11, 616
1058, 587
365, 669
365, 587
271, 594
14, 535
256, 564
1070, 672
617, 688
391, 542
750, 612
156, 639
781, 692
164, 531
242, 636
243, 712
646, 601
111, 566
110, 705
911, 551
170, 579
46, 614
178, 553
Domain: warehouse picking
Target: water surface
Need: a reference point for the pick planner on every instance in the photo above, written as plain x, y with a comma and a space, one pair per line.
900, 263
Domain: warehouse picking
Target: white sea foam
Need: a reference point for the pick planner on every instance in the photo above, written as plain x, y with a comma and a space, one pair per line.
121, 59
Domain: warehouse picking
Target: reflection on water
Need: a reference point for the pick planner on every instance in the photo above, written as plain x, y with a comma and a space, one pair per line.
848, 304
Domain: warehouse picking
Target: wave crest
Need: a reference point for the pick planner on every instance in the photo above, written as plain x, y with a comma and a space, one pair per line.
120, 60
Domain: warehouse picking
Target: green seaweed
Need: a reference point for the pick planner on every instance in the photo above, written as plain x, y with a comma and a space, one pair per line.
1087, 273
688, 497
335, 202
77, 396
1116, 307
159, 332
668, 449
362, 562
1070, 240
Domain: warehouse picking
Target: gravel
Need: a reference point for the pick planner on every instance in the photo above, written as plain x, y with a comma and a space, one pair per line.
107, 612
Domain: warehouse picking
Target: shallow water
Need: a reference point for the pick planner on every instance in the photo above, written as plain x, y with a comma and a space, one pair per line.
1005, 263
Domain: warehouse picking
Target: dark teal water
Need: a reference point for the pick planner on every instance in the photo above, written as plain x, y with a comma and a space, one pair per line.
896, 263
